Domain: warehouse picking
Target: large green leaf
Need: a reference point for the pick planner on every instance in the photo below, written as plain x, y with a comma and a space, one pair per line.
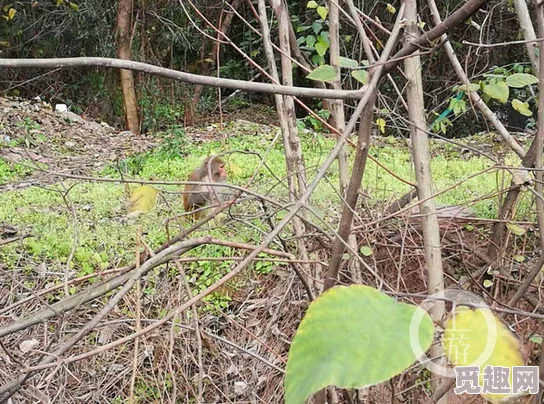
499, 91
352, 337
520, 80
322, 73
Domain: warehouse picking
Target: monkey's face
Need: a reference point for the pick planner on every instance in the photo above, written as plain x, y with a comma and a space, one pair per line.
220, 174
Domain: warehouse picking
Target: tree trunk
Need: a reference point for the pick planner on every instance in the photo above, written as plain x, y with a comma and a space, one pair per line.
124, 29
285, 116
208, 63
526, 26
420, 150
338, 120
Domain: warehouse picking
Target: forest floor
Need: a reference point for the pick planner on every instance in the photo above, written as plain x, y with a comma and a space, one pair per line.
62, 230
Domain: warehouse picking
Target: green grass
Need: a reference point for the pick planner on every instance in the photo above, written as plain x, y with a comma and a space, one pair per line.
106, 237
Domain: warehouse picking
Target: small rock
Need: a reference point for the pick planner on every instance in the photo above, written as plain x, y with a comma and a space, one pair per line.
61, 108
240, 388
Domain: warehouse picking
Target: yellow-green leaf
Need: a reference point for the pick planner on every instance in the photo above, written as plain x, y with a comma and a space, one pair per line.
59, 2
323, 12
321, 48
514, 228
470, 87
312, 4
498, 91
360, 75
366, 251
478, 338
343, 337
391, 9
488, 283
142, 200
381, 124
322, 73
520, 80
521, 107
347, 62
11, 13
74, 6
519, 258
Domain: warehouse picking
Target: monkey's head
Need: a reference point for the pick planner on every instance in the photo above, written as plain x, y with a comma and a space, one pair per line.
219, 173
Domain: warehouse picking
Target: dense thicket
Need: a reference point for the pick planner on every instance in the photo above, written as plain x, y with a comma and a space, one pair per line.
173, 35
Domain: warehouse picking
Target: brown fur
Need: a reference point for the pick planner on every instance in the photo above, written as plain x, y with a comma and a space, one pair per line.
197, 196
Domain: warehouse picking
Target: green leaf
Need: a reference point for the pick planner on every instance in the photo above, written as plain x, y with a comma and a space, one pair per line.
347, 62
514, 228
322, 73
322, 11
318, 60
519, 258
521, 107
310, 40
520, 80
344, 337
471, 87
142, 200
73, 6
360, 75
498, 91
365, 250
316, 27
537, 339
391, 9
312, 4
321, 48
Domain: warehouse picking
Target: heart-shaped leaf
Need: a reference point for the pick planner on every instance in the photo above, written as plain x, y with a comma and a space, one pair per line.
521, 107
360, 75
520, 80
322, 73
312, 4
498, 91
345, 336
322, 11
478, 338
321, 48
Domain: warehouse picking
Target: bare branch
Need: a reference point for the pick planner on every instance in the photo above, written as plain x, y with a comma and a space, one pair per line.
181, 76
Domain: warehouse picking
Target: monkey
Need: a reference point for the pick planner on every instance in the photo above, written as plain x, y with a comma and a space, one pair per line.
195, 197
